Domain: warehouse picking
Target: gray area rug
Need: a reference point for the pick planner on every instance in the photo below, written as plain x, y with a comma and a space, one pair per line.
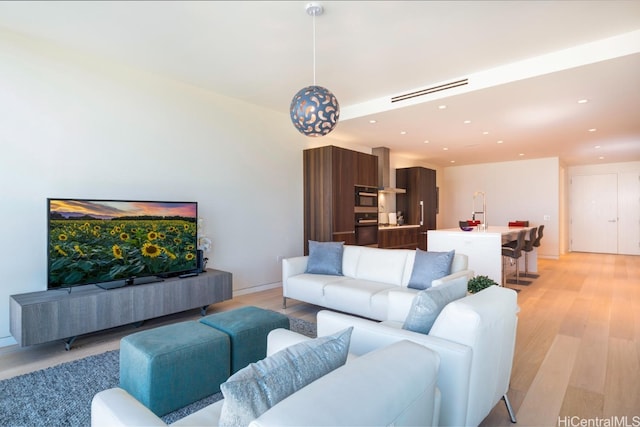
61, 395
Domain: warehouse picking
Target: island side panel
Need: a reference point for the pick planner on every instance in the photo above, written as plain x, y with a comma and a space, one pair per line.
484, 249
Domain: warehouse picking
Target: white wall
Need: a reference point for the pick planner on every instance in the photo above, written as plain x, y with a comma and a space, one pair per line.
519, 190
73, 126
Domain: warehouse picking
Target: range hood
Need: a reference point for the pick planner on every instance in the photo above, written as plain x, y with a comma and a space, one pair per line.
384, 171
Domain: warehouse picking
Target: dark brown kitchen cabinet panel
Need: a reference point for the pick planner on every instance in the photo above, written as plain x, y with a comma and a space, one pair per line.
366, 170
343, 190
329, 177
398, 238
419, 202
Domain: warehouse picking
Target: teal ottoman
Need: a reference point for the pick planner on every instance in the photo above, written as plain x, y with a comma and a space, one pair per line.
172, 366
247, 328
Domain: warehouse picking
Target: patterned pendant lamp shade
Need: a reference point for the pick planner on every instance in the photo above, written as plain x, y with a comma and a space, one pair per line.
314, 111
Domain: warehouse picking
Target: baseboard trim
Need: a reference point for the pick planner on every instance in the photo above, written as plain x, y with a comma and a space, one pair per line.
258, 288
7, 341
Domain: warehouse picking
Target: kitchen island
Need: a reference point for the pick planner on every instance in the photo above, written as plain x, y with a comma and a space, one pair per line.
484, 248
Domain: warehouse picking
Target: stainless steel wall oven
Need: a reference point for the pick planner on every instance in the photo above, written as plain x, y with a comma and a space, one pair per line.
367, 197
366, 228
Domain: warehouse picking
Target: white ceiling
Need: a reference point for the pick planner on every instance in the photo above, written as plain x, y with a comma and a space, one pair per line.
527, 64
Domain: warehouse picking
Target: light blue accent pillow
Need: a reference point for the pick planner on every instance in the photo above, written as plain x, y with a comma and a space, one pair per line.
256, 388
428, 304
325, 258
429, 266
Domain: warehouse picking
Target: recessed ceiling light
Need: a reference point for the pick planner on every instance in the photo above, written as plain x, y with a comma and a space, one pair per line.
442, 107
452, 161
596, 147
601, 157
583, 101
485, 132
403, 132
466, 122
426, 141
521, 154
445, 149
372, 121
499, 141
593, 130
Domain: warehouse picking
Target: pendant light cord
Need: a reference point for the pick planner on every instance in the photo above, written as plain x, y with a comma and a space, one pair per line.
314, 49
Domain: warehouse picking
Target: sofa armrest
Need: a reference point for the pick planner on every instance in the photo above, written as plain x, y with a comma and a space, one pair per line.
455, 358
115, 407
294, 266
279, 339
462, 275
460, 262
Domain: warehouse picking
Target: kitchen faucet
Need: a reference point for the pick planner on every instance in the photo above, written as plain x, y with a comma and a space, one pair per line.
483, 212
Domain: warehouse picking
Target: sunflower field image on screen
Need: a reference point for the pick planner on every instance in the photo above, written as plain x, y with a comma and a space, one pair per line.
93, 241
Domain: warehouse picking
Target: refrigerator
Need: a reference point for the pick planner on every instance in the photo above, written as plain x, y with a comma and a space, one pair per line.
419, 204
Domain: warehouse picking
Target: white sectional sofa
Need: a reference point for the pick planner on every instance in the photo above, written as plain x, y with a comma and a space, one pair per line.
474, 336
369, 274
393, 386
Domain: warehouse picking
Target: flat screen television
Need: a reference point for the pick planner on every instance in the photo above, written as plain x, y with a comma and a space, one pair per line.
112, 243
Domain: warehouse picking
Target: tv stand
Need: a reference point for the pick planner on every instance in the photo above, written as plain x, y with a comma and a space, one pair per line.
39, 317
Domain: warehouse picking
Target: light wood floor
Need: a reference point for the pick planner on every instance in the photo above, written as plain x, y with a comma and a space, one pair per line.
577, 350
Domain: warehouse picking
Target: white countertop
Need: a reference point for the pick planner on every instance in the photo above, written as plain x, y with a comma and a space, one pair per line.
491, 229
395, 227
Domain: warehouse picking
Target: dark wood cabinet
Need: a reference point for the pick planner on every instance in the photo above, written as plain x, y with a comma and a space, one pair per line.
329, 177
419, 203
366, 170
343, 194
398, 237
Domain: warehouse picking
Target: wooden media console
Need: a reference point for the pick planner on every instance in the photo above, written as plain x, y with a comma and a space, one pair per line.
60, 314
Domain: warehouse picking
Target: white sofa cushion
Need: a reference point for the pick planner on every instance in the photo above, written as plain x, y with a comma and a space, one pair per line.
350, 257
357, 296
256, 388
311, 286
381, 265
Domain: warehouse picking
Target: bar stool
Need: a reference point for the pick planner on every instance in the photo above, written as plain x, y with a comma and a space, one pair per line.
513, 250
535, 244
528, 247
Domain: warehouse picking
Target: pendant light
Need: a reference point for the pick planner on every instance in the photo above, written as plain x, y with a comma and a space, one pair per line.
314, 109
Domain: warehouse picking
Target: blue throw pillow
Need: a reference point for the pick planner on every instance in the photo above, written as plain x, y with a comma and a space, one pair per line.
325, 258
428, 304
429, 266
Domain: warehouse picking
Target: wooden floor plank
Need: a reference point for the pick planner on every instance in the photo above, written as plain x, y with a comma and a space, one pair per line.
623, 306
575, 321
590, 369
544, 398
622, 386
587, 404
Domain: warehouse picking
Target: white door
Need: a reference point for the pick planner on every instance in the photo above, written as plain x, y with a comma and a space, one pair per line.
594, 213
629, 213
